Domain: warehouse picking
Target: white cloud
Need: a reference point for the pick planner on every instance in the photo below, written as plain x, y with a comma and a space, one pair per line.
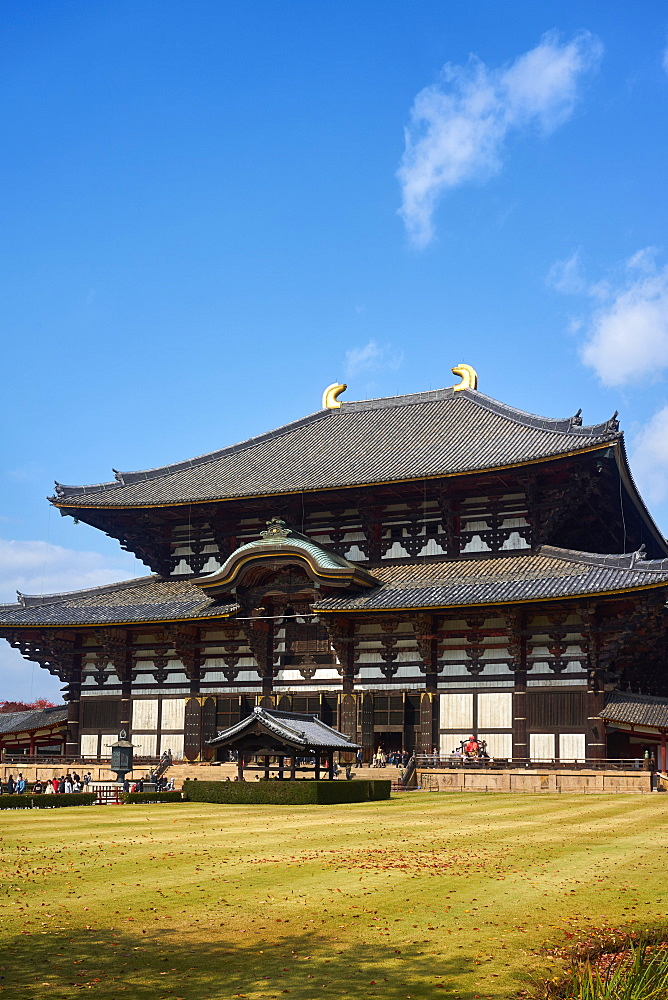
566, 276
649, 457
38, 567
372, 358
458, 126
21, 680
628, 336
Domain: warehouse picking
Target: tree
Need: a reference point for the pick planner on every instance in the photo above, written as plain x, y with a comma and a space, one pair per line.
24, 706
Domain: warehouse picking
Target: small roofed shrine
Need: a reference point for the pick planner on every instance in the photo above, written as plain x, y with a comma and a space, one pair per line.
269, 733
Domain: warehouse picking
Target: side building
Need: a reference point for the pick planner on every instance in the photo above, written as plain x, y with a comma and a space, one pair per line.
411, 569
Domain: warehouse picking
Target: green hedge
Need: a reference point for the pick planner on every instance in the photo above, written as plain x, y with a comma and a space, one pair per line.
130, 797
47, 801
288, 793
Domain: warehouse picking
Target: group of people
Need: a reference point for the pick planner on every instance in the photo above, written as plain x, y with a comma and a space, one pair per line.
381, 758
161, 785
66, 784
471, 751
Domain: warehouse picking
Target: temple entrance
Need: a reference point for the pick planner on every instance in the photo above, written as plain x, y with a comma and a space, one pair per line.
388, 740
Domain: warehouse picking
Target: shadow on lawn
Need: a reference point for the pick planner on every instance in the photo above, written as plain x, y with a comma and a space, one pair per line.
110, 965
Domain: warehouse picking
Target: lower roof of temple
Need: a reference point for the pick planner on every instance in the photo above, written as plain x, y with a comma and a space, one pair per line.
635, 710
549, 574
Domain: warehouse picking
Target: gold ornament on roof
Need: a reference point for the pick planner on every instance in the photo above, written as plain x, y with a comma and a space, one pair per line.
276, 529
469, 377
330, 397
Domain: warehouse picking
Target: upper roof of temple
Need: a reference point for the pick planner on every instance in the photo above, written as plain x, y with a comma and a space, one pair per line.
428, 434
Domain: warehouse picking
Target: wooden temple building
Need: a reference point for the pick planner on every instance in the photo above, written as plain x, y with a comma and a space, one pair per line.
411, 570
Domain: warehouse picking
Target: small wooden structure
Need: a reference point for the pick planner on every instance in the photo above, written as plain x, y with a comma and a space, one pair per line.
271, 733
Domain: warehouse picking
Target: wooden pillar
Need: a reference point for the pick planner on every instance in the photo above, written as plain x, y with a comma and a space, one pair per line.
663, 754
595, 739
240, 766
281, 765
517, 645
293, 766
317, 767
72, 747
342, 640
266, 767
330, 767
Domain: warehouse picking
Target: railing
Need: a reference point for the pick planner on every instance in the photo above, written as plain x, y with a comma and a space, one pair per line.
164, 763
446, 762
407, 775
47, 759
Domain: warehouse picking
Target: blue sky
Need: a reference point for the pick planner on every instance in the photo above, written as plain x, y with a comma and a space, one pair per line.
212, 210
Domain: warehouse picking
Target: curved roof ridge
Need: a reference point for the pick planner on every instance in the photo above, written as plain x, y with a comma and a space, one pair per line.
37, 600
560, 425
627, 560
125, 478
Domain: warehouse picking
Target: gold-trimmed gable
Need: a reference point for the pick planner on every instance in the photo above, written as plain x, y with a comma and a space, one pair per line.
280, 546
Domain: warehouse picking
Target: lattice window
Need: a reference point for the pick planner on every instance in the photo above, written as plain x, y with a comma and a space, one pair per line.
306, 638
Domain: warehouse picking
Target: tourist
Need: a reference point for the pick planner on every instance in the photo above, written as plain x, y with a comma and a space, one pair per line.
68, 785
55, 782
37, 788
87, 779
61, 785
359, 758
76, 783
11, 785
21, 785
48, 788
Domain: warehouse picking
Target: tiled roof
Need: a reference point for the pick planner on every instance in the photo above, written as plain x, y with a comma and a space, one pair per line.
635, 709
20, 722
548, 574
307, 731
281, 542
371, 441
146, 599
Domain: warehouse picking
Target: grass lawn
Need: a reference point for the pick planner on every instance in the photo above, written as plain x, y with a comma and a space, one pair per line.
425, 895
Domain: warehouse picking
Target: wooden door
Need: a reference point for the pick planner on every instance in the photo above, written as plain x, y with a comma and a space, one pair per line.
192, 739
208, 727
366, 725
426, 723
348, 715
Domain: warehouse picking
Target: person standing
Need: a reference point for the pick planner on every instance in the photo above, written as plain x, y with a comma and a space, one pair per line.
21, 784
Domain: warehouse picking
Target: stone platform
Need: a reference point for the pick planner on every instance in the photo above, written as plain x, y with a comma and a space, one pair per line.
533, 780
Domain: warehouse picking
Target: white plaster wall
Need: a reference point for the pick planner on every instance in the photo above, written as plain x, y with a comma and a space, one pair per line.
173, 713
542, 746
173, 742
89, 745
498, 744
145, 744
572, 746
106, 742
456, 711
145, 713
495, 710
451, 741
